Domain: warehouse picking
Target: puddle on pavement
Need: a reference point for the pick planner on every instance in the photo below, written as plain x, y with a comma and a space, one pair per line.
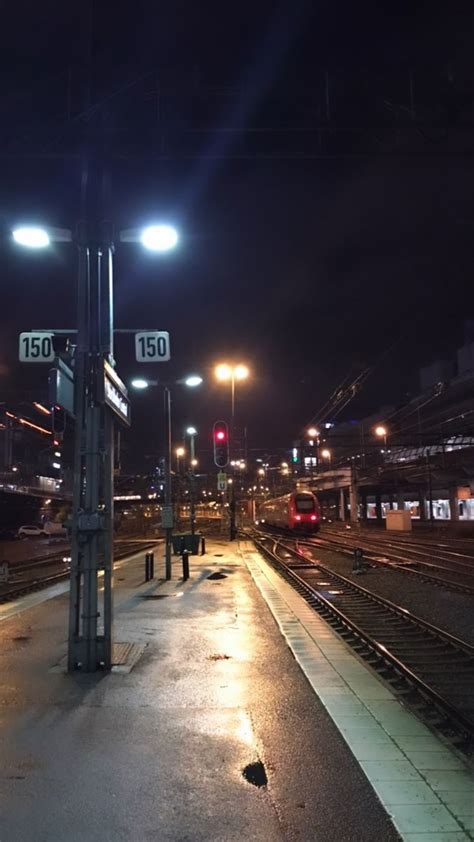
255, 774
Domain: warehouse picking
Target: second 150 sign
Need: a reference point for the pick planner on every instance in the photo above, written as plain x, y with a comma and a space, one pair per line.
152, 346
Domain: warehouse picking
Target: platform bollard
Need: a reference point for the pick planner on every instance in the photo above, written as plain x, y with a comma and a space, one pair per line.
358, 563
203, 545
185, 558
149, 566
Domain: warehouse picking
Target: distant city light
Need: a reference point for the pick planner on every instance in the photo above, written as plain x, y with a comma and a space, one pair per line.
159, 237
41, 408
32, 238
57, 465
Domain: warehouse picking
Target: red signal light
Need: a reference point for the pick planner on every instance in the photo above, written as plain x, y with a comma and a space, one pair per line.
220, 436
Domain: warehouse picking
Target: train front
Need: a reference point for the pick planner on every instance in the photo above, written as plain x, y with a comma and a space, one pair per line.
304, 514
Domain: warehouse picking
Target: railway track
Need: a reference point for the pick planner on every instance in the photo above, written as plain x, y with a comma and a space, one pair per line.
445, 568
20, 588
431, 669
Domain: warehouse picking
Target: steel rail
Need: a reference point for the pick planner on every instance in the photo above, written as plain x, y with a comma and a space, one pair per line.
462, 723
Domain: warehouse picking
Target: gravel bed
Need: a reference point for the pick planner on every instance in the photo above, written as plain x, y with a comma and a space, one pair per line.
451, 611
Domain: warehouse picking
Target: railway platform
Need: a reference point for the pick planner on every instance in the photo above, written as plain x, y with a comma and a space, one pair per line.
241, 715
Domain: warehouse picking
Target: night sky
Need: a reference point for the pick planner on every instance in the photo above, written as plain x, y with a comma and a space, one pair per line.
305, 261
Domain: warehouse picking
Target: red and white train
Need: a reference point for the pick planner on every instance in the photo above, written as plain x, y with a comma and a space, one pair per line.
298, 511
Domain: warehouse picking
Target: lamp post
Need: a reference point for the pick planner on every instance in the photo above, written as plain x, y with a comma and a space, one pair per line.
89, 644
381, 433
180, 451
191, 381
313, 434
226, 373
192, 433
231, 373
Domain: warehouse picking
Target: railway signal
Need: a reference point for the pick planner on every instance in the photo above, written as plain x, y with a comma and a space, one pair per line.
220, 438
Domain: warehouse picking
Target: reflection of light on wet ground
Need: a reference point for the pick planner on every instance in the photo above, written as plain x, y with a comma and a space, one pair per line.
244, 728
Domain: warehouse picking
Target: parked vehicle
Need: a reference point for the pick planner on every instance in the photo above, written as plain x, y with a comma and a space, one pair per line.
55, 530
31, 532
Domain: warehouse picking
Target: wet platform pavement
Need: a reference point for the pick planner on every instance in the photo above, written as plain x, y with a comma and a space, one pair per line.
160, 752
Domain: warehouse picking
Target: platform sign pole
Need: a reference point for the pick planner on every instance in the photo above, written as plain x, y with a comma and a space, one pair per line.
98, 399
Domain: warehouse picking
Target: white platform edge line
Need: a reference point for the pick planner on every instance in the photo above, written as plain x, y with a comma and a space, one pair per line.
274, 593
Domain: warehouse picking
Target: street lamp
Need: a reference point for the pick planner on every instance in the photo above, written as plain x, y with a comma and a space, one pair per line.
180, 451
93, 515
312, 434
31, 237
230, 373
326, 454
381, 432
159, 237
191, 381
192, 433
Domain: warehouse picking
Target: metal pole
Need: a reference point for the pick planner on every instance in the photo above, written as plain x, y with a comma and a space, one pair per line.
233, 397
232, 531
80, 363
191, 483
108, 444
168, 496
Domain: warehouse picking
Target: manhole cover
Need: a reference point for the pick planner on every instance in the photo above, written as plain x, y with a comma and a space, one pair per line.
218, 555
157, 595
217, 576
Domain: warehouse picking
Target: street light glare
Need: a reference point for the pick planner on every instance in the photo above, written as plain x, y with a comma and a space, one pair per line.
32, 238
223, 371
139, 383
381, 431
180, 451
313, 432
193, 380
191, 431
326, 454
241, 372
159, 237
